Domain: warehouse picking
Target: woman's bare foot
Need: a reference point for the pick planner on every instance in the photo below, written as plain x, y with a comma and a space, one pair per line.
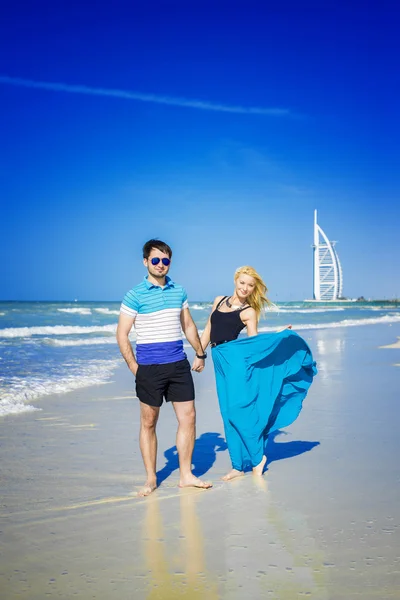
192, 481
232, 475
258, 470
148, 487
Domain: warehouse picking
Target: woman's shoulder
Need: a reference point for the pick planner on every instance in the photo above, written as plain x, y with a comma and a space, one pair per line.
218, 299
248, 313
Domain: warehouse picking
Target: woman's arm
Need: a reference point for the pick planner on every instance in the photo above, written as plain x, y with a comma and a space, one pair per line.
205, 336
283, 328
249, 318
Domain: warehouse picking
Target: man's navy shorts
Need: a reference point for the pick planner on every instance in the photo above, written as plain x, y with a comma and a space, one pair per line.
172, 381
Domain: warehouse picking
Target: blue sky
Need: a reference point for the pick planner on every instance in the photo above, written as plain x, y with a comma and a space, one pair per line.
218, 127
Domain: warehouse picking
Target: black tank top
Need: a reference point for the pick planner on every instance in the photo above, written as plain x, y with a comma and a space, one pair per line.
225, 326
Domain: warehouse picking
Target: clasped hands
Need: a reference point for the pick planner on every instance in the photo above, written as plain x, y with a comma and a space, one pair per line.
198, 364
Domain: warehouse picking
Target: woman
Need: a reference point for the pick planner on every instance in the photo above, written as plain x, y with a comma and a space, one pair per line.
262, 379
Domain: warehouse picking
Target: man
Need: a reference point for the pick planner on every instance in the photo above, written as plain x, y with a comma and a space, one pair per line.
158, 308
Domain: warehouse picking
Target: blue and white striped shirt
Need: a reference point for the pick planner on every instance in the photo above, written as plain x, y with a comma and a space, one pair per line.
157, 312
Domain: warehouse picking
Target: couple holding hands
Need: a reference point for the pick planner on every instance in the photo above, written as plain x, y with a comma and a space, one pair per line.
261, 379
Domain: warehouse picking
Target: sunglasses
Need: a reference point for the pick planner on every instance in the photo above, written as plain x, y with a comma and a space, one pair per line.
165, 261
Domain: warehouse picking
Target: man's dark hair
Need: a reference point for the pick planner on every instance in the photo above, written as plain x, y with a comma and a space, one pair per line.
159, 245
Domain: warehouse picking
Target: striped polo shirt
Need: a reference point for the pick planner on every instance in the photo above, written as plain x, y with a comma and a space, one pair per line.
157, 312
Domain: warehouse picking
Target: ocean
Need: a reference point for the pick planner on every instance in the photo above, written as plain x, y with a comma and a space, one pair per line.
56, 347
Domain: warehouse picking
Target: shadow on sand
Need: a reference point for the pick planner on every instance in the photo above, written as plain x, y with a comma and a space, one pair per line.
282, 450
208, 444
204, 455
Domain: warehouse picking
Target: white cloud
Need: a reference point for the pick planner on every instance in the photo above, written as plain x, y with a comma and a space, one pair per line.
154, 98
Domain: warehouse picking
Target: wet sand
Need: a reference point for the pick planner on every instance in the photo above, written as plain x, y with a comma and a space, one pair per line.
324, 523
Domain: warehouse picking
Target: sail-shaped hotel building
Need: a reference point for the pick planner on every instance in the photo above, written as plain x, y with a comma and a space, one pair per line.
328, 277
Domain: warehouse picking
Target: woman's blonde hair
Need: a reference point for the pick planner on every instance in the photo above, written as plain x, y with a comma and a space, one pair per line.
257, 298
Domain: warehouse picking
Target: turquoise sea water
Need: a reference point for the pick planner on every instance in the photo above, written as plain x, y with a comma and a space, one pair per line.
55, 347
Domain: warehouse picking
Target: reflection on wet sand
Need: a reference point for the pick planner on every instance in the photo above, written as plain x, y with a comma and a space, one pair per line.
329, 354
233, 540
176, 570
307, 573
269, 550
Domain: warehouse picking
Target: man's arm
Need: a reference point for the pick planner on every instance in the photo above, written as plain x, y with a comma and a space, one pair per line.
124, 326
192, 336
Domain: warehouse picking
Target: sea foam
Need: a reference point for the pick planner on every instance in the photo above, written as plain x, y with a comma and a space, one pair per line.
76, 311
106, 311
308, 310
395, 318
13, 332
19, 393
94, 341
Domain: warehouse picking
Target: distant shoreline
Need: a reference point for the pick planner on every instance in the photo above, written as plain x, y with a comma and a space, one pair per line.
351, 302
395, 301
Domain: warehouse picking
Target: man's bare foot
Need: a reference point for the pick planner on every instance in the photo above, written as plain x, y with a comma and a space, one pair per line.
258, 470
192, 481
232, 475
148, 487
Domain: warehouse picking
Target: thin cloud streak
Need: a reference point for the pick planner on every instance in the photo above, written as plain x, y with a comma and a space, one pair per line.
169, 100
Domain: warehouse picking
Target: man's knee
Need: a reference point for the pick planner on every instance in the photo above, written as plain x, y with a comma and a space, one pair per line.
186, 416
148, 425
148, 417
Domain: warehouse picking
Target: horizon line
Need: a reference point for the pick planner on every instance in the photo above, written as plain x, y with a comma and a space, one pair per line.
349, 300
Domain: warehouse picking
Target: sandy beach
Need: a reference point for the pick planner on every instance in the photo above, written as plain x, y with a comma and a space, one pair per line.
324, 523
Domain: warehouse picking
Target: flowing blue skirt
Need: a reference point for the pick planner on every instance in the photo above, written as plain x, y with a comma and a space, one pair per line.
261, 384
